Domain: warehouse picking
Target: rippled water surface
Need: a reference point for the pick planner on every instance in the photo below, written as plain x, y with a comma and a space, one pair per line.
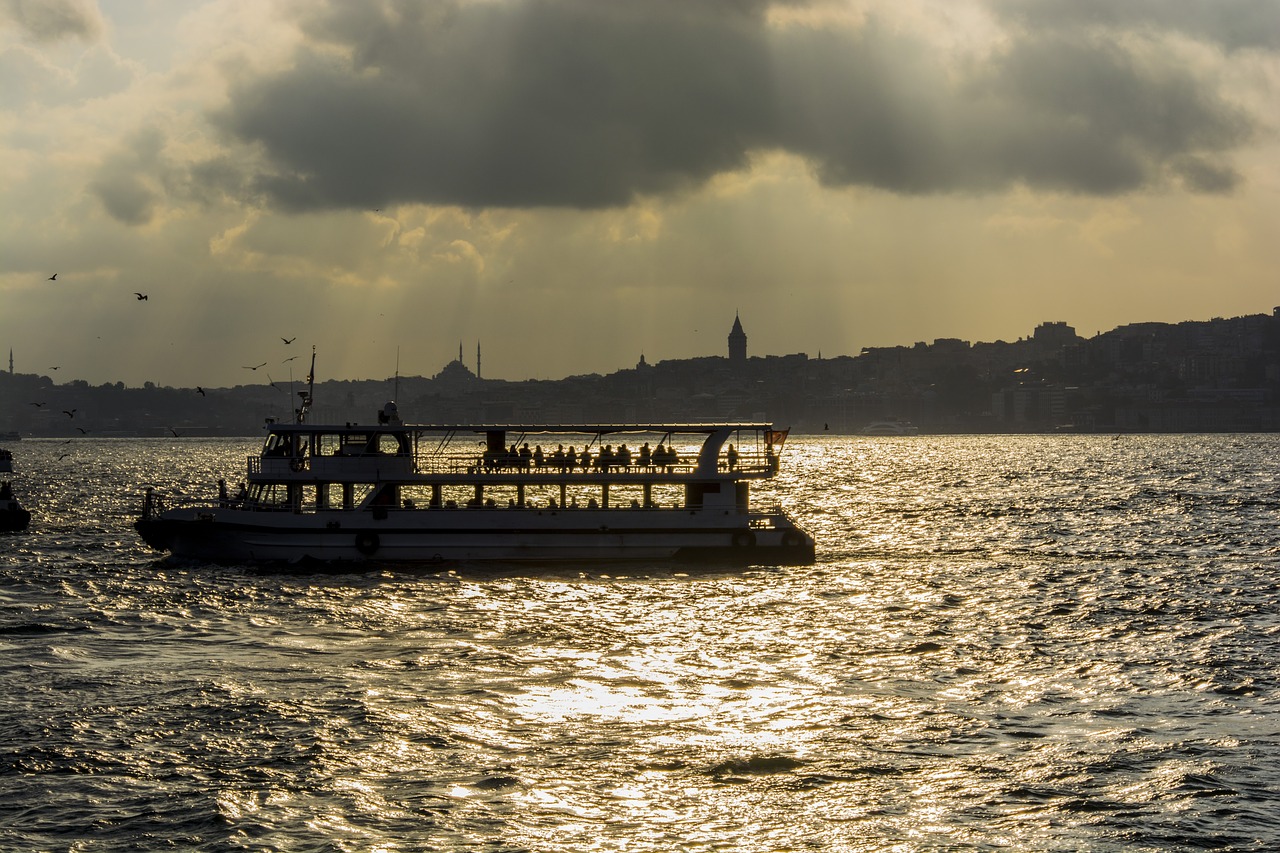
1025, 643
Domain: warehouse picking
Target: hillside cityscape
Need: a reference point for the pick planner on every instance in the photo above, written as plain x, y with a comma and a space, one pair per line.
1219, 375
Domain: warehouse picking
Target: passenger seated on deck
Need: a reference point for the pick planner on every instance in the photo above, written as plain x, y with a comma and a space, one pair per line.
646, 456
538, 456
584, 459
557, 458
570, 459
624, 456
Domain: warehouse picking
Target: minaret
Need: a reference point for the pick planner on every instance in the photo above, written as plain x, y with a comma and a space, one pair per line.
477, 359
460, 361
10, 361
737, 341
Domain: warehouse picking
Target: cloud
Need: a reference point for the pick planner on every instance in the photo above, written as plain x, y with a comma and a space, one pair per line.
125, 181
1232, 24
53, 20
545, 103
572, 103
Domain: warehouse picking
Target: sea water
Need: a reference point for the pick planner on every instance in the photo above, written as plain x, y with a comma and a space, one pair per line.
1030, 643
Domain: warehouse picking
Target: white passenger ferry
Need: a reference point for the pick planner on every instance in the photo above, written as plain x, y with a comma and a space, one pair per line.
507, 493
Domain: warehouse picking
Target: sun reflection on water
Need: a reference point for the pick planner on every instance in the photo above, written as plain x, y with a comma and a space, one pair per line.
1023, 642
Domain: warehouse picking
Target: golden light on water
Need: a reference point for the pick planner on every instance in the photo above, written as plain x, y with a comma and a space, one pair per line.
986, 655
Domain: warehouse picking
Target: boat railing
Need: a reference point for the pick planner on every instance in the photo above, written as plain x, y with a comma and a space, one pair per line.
683, 466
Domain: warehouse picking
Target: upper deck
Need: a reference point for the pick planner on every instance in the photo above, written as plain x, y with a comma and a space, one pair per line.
506, 453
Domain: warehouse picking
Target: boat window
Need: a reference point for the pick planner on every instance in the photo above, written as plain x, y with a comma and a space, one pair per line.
352, 444
393, 444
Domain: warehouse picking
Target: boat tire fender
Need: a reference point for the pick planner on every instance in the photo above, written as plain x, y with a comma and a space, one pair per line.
792, 538
367, 543
744, 539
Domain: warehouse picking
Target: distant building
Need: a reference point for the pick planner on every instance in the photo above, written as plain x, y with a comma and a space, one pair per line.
737, 341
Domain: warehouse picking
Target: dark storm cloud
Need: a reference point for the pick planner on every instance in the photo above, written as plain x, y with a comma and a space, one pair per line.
590, 104
50, 20
545, 103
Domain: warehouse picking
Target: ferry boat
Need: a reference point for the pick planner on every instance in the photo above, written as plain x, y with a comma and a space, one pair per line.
413, 493
13, 516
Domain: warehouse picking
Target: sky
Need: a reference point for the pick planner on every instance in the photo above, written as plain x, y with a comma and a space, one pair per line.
573, 184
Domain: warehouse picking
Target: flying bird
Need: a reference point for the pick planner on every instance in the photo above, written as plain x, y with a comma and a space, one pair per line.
141, 296
288, 341
53, 277
70, 413
83, 431
255, 367
174, 431
200, 391
289, 359
38, 405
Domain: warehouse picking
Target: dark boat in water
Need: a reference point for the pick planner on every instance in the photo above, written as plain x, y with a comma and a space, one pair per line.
13, 516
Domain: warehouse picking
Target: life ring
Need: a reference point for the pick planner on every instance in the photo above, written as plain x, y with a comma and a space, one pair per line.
744, 539
367, 543
792, 538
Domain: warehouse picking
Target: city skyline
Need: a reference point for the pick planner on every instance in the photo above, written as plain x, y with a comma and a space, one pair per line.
189, 185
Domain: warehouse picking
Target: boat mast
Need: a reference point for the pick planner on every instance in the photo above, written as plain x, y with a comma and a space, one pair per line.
307, 395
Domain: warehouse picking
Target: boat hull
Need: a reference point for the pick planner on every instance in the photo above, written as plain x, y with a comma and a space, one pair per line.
501, 536
13, 517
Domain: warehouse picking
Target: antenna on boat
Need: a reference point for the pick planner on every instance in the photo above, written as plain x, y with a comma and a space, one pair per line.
307, 395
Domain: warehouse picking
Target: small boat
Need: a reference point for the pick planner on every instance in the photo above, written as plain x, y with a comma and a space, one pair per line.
890, 428
403, 493
13, 516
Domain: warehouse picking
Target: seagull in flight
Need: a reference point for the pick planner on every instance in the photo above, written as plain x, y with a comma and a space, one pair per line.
255, 367
53, 277
38, 405
200, 391
288, 341
174, 431
141, 296
70, 413
289, 359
